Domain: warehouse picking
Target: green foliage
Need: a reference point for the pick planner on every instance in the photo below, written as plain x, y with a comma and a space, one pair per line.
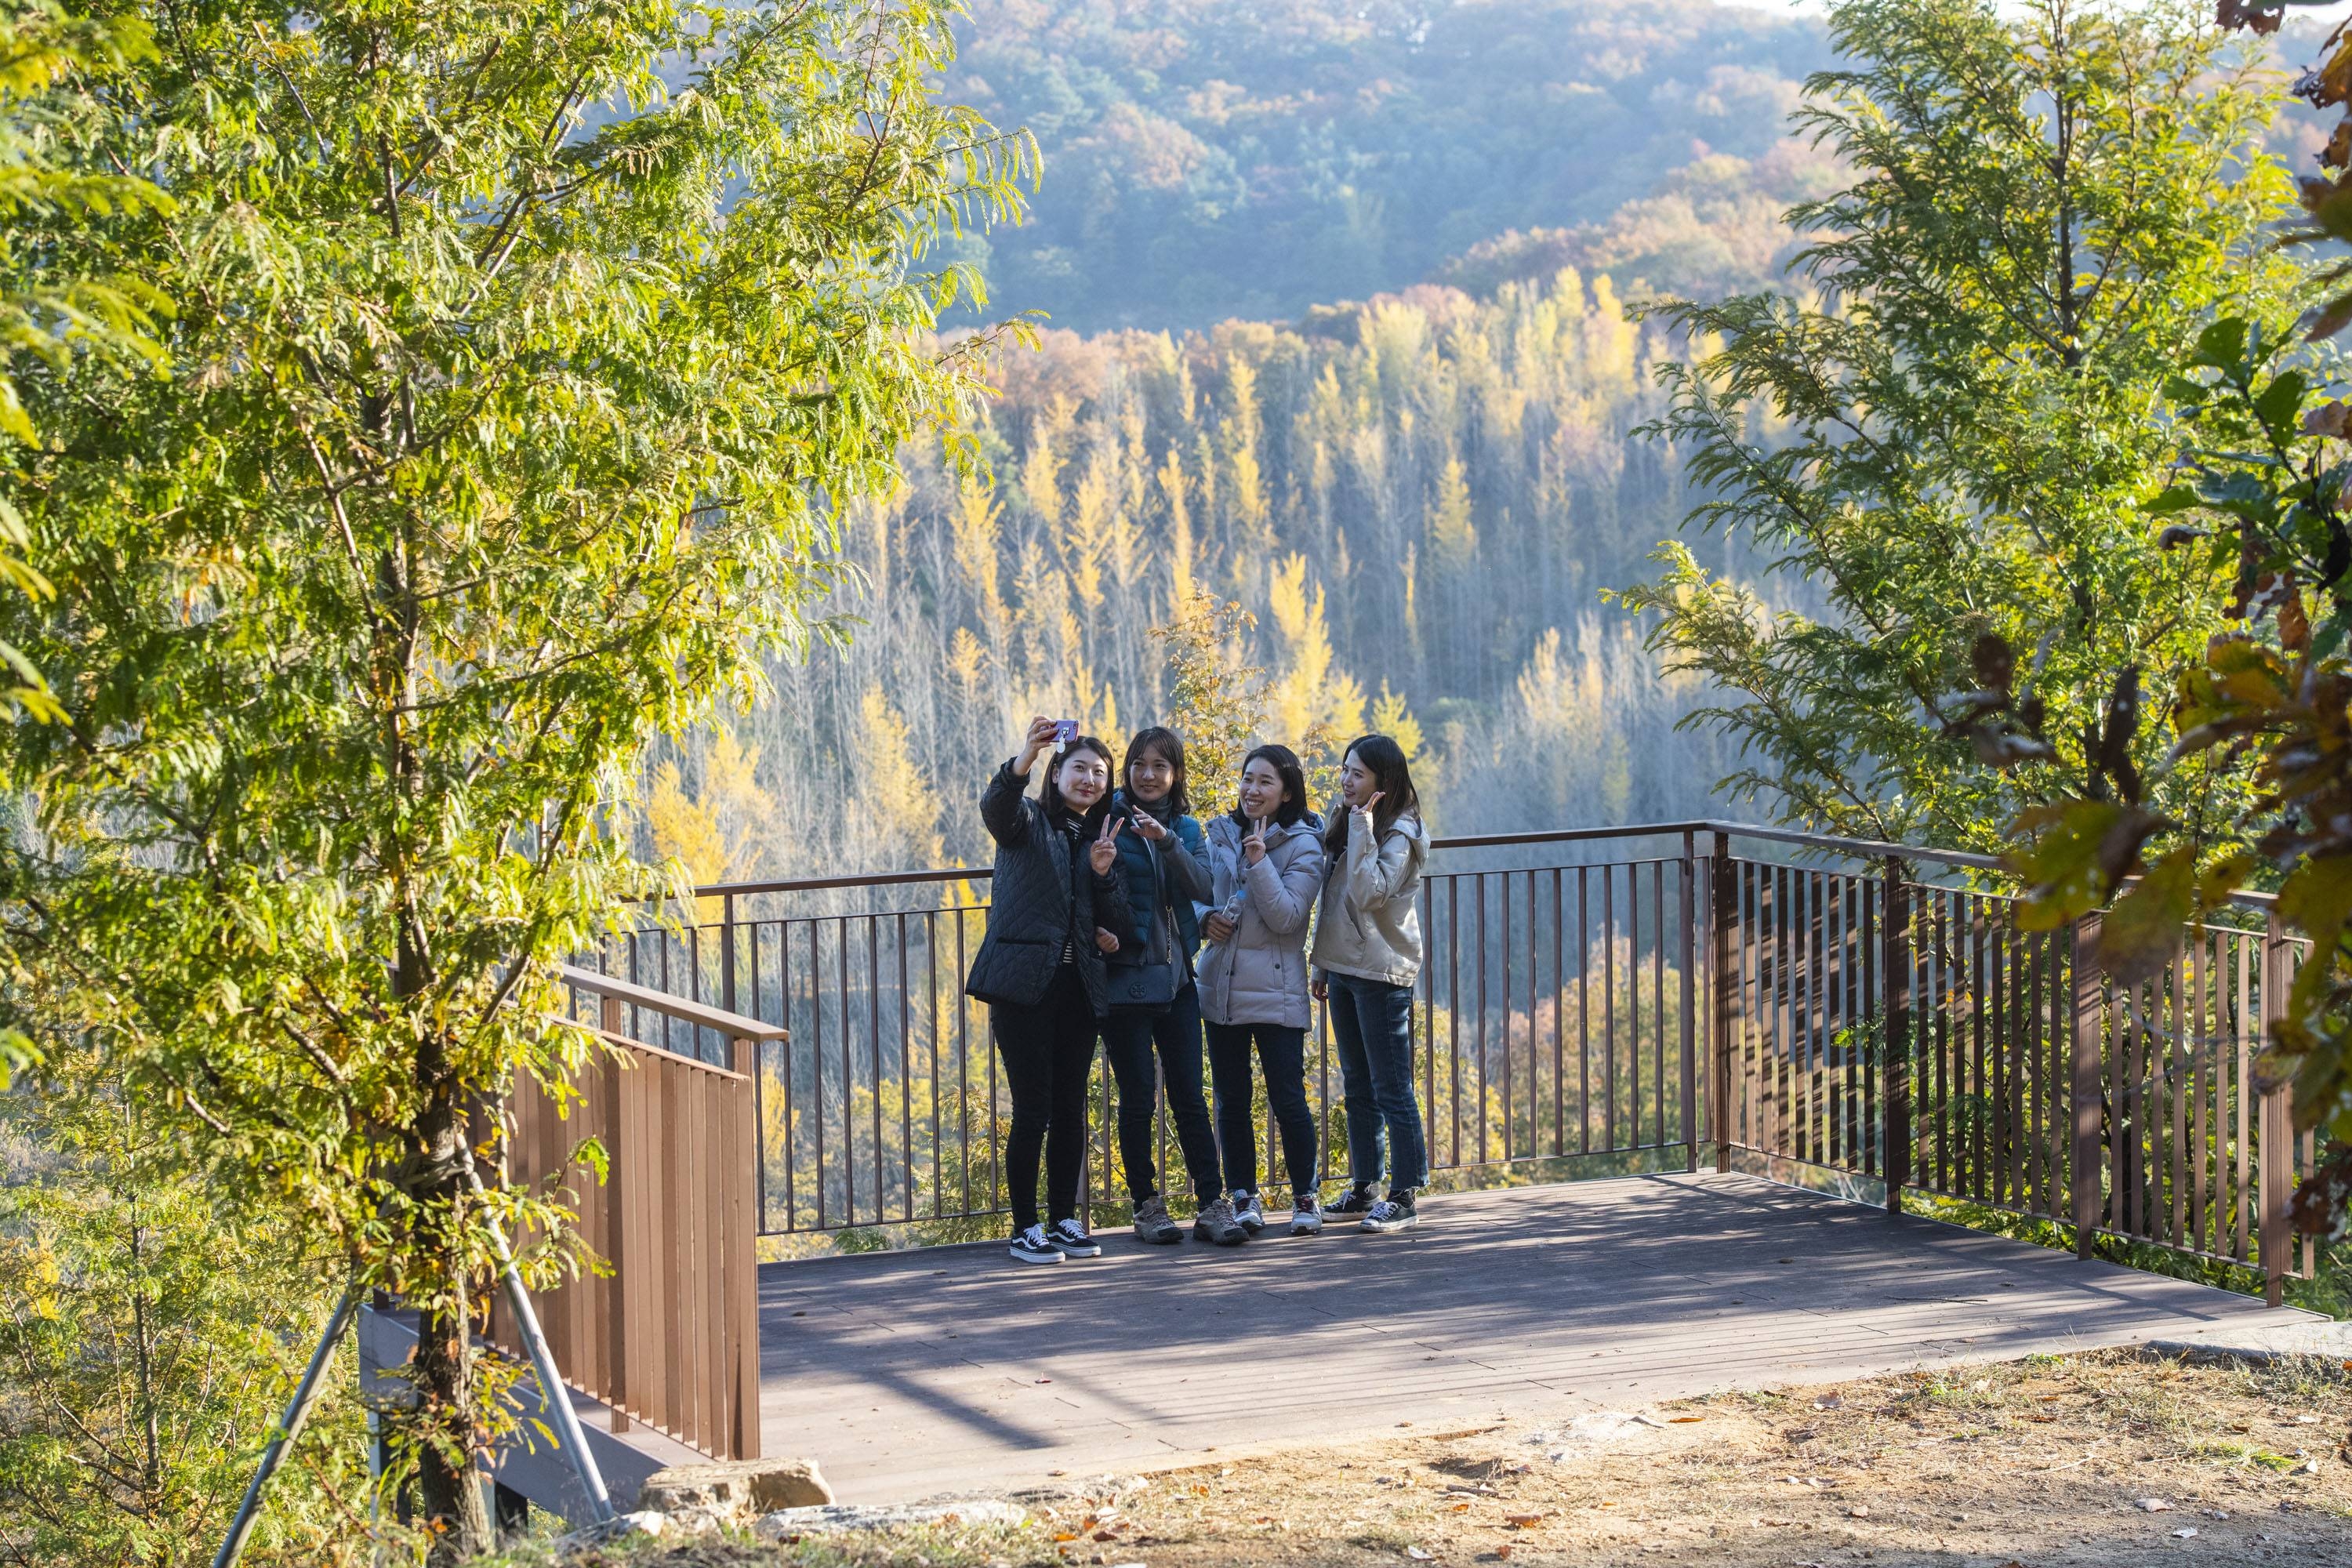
54, 66
1952, 431
520, 354
1213, 161
148, 1338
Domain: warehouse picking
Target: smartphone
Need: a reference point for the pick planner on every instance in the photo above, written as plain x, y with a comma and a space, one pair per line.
1064, 731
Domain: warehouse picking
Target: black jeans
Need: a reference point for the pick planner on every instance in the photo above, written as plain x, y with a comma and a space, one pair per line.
1282, 1054
1128, 1041
1048, 1050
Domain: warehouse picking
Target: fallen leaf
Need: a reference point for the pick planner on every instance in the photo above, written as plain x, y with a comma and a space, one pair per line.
1859, 1511
1800, 1435
2186, 1533
1830, 1402
2155, 1505
1461, 1508
1066, 1535
1684, 1420
1524, 1521
1504, 1550
2306, 1420
1418, 1555
1105, 1535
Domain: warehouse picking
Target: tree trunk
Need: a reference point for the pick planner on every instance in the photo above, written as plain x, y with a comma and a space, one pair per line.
451, 1438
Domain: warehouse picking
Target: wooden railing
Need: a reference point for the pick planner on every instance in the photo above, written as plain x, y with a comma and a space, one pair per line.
669, 1335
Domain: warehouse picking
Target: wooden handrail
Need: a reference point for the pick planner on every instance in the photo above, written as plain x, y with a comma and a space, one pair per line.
734, 1026
659, 1053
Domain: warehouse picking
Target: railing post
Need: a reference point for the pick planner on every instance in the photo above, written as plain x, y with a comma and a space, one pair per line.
1896, 1081
2086, 1035
612, 1017
727, 954
1723, 923
1688, 960
2274, 1130
742, 1310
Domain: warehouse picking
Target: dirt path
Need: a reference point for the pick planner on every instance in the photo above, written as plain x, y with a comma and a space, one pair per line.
2039, 1462
2109, 1460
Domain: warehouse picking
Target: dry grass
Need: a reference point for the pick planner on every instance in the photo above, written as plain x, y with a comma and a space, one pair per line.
2037, 1463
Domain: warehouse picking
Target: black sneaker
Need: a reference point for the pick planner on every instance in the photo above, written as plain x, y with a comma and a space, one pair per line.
1030, 1245
1358, 1201
1070, 1238
1392, 1213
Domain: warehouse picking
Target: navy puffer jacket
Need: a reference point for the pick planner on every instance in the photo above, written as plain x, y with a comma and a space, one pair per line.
1182, 881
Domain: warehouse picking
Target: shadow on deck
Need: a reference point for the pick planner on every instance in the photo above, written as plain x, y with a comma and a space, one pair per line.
907, 1373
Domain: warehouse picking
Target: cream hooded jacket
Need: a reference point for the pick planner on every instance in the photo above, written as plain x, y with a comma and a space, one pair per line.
1368, 923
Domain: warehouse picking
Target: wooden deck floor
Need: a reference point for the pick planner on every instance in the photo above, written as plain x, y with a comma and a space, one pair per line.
913, 1373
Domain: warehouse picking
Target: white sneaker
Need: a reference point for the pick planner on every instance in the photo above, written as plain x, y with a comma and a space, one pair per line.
1307, 1216
1030, 1245
1070, 1238
1250, 1212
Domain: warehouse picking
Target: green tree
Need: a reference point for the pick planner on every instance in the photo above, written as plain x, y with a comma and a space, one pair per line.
521, 353
147, 1338
1949, 432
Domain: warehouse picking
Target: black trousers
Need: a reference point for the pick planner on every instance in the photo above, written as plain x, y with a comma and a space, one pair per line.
1128, 1039
1048, 1050
1282, 1055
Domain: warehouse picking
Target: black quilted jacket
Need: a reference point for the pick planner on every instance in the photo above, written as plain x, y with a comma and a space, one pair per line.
1041, 897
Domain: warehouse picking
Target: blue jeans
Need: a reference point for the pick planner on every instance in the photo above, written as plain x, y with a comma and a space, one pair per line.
1128, 1041
1372, 1026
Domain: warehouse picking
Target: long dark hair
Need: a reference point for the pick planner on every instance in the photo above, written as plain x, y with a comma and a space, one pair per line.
1051, 797
1285, 762
1171, 746
1384, 758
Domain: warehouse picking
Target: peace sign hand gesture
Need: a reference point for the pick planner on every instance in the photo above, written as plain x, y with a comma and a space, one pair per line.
1104, 851
1372, 804
1253, 846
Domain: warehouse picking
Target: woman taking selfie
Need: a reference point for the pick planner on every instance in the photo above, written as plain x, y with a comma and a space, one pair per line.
1366, 957
1164, 872
1040, 969
1266, 864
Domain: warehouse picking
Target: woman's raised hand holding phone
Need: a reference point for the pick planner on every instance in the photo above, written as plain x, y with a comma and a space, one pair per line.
1033, 743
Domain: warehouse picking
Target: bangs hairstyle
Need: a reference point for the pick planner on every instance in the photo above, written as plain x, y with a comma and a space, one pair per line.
1161, 740
1283, 761
1384, 760
1051, 796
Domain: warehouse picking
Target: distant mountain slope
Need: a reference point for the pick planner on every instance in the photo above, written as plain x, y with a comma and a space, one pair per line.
1210, 159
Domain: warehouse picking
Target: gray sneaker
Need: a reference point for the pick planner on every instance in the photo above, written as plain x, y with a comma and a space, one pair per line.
1392, 1213
1153, 1225
1215, 1223
1250, 1212
1305, 1217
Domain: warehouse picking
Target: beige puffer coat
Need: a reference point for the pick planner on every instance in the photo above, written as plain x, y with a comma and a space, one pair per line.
1368, 922
1258, 975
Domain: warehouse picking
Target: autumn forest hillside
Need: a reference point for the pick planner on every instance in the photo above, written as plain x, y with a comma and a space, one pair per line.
1335, 330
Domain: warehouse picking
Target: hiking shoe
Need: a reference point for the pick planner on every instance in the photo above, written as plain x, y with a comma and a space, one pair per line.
1392, 1213
1153, 1225
1215, 1223
1031, 1247
1358, 1201
1249, 1212
1070, 1239
1305, 1217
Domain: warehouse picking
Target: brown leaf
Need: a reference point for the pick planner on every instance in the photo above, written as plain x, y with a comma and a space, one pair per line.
1523, 1520
2293, 622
